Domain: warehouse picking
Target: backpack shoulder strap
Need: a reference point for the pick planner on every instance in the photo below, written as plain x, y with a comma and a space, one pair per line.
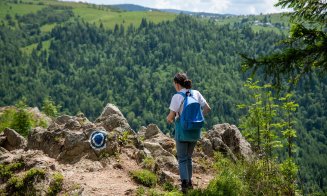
184, 95
181, 93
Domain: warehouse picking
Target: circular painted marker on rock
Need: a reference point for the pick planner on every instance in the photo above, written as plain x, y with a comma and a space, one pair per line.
98, 140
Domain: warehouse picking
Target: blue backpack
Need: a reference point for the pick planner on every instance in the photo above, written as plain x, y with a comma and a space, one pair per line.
190, 122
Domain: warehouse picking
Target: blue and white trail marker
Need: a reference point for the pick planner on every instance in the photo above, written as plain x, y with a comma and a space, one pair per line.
98, 140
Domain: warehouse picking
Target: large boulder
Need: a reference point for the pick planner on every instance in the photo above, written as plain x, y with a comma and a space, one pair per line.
225, 136
67, 137
50, 142
71, 122
69, 146
163, 158
161, 148
11, 140
153, 134
75, 146
111, 118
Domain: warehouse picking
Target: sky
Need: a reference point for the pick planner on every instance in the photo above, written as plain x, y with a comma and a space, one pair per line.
239, 7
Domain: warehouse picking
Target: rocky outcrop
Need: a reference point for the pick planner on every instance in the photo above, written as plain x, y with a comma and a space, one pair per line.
11, 140
67, 140
69, 145
227, 139
161, 148
71, 123
111, 118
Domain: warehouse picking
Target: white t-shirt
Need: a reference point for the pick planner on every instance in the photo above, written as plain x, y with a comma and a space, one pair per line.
176, 101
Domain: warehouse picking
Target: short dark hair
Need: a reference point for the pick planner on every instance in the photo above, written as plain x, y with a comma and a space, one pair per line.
183, 80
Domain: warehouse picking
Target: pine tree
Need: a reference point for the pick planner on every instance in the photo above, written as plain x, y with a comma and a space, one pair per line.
22, 122
49, 107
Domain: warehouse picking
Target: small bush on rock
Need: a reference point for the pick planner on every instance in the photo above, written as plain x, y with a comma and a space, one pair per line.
148, 163
24, 185
56, 184
6, 171
144, 177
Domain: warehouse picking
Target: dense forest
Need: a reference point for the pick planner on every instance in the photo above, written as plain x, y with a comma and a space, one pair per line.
83, 66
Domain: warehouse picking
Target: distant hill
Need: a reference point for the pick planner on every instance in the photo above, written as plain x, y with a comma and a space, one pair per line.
133, 7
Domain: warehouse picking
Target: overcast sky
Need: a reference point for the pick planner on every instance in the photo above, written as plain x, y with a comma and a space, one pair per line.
212, 6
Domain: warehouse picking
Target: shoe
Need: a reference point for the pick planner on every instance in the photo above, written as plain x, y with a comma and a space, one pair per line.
190, 185
184, 186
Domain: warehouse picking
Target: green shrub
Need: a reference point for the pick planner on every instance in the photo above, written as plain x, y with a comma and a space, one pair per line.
32, 174
144, 177
153, 192
49, 107
229, 179
6, 171
22, 122
167, 186
227, 183
6, 119
55, 184
24, 185
140, 191
289, 171
174, 193
148, 163
123, 138
258, 177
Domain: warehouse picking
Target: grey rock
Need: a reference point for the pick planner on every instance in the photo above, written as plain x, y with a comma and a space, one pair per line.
168, 163
63, 119
53, 127
156, 149
3, 150
206, 147
233, 138
141, 132
13, 140
111, 118
154, 135
114, 121
140, 155
69, 146
50, 142
220, 146
88, 126
73, 138
151, 130
163, 158
110, 110
167, 176
72, 124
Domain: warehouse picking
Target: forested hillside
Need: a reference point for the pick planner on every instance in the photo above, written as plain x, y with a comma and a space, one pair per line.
82, 65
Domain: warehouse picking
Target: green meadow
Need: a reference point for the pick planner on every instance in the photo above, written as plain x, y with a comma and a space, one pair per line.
109, 17
88, 12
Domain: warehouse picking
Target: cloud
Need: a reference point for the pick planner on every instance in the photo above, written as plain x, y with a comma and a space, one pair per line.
242, 7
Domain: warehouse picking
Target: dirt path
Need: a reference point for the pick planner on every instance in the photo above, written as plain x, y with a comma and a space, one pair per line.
110, 177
